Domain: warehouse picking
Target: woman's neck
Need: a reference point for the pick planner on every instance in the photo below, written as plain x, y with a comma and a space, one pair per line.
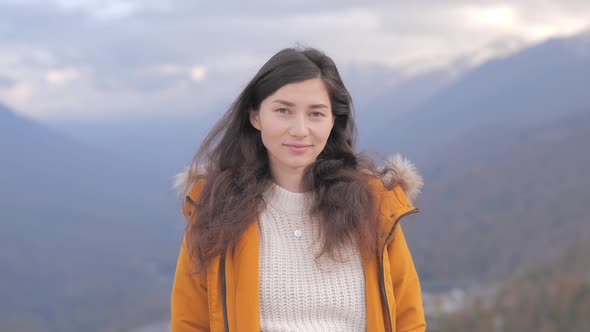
291, 180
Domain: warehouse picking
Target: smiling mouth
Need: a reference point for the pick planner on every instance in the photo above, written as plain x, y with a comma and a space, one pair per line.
297, 146
299, 149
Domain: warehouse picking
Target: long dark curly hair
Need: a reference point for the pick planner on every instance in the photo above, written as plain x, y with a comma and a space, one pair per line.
234, 165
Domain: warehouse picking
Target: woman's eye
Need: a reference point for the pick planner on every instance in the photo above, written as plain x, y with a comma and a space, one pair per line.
283, 110
317, 114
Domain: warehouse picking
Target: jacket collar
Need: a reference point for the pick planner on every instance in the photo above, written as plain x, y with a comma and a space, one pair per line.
400, 172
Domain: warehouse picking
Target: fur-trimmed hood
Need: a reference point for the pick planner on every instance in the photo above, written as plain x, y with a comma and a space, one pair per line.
400, 172
404, 172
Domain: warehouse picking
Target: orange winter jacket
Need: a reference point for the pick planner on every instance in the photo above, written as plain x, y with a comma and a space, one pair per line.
225, 297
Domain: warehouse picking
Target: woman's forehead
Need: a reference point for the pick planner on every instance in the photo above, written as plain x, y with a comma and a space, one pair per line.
309, 92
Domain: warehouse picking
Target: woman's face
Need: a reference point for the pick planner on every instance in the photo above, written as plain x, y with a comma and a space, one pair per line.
294, 124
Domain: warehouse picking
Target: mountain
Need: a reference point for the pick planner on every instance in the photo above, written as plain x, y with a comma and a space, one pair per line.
528, 87
162, 143
500, 197
394, 101
87, 237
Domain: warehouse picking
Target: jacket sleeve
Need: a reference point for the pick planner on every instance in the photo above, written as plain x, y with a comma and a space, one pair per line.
406, 286
189, 303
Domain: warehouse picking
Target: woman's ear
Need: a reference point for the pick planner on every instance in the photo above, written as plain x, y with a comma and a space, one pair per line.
255, 119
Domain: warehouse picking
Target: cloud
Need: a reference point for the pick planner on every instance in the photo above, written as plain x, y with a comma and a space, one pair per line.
104, 56
102, 9
17, 92
198, 73
62, 76
6, 82
498, 16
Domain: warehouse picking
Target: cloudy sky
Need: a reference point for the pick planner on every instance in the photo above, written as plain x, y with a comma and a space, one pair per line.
76, 59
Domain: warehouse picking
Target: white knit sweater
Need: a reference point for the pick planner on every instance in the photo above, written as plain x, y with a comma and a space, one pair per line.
296, 293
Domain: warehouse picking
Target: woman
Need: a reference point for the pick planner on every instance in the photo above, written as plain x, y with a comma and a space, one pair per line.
289, 229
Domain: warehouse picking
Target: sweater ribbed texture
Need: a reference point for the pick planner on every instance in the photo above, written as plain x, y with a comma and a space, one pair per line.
296, 292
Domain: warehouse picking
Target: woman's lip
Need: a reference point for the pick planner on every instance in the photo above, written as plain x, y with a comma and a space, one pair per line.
297, 145
299, 149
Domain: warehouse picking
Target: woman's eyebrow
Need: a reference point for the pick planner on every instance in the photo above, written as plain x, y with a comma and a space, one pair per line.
288, 103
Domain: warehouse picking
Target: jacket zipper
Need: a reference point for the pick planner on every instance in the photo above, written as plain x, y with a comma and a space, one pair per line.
382, 274
223, 294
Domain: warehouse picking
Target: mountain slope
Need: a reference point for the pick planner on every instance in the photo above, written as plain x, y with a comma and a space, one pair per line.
500, 197
86, 238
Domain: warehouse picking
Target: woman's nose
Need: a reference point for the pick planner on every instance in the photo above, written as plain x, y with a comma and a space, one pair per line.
299, 127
